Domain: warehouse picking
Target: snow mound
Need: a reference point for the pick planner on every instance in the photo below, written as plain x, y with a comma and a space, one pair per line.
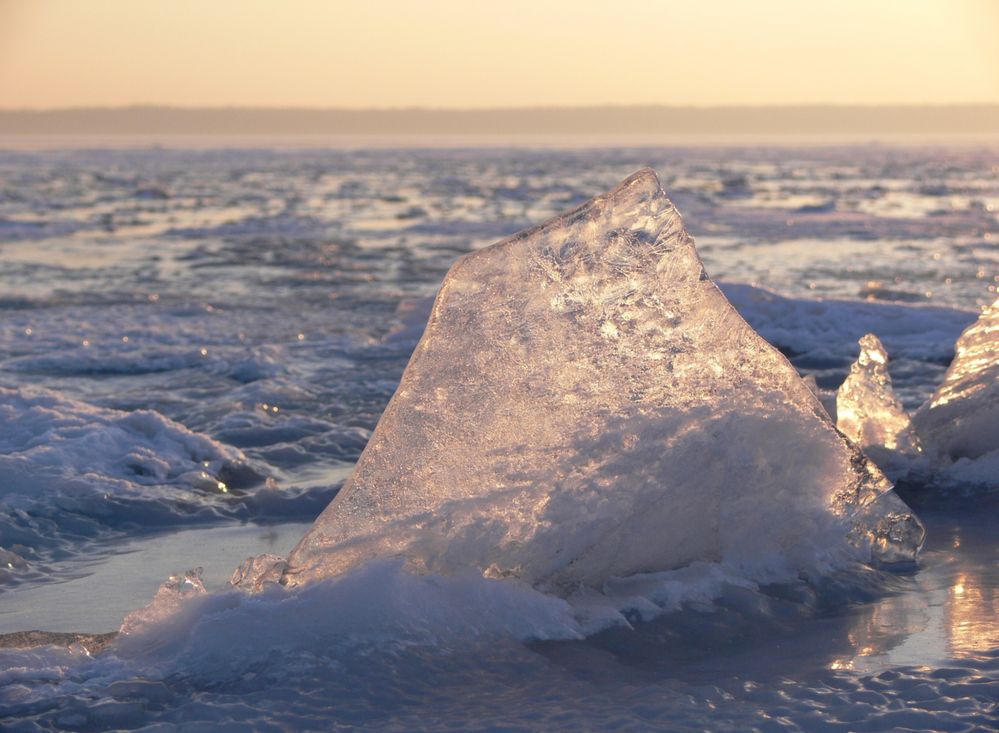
70, 471
822, 332
54, 441
585, 404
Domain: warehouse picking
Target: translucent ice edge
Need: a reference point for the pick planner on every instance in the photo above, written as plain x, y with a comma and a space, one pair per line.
959, 424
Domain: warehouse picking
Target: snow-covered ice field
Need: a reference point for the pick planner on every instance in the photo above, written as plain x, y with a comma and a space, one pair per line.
195, 346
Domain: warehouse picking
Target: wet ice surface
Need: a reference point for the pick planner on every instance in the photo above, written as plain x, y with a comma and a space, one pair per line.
97, 591
383, 650
269, 301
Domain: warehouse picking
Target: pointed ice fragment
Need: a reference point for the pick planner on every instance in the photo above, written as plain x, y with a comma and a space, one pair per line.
585, 403
960, 422
173, 592
869, 413
256, 572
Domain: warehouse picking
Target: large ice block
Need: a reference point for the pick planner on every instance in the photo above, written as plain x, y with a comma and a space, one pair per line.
960, 422
585, 403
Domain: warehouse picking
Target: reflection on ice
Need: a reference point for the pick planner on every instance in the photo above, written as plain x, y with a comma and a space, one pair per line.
971, 614
948, 611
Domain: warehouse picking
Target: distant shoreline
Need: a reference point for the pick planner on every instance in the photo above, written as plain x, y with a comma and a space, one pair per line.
346, 142
516, 125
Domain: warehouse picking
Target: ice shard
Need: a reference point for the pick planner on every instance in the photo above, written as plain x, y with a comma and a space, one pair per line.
960, 422
869, 413
585, 403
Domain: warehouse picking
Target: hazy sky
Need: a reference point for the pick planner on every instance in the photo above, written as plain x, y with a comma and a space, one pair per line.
467, 53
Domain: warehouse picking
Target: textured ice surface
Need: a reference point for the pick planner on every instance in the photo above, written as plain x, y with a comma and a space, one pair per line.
959, 425
55, 443
819, 335
255, 572
585, 403
869, 413
70, 471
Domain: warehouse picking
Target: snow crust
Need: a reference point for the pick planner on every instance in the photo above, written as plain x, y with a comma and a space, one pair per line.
586, 404
53, 443
70, 471
824, 332
186, 630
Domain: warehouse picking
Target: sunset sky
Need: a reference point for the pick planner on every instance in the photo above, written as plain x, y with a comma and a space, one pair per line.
464, 53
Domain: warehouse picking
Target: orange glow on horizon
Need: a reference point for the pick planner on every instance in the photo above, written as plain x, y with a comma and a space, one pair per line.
454, 53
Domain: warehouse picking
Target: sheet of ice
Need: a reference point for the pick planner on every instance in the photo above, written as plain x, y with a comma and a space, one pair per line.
585, 404
869, 413
959, 425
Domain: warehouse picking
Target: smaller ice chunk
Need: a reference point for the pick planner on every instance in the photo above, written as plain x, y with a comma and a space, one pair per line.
959, 424
869, 413
172, 594
256, 572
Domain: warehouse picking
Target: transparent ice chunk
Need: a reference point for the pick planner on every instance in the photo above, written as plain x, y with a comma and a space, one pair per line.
961, 419
172, 594
585, 403
256, 572
869, 413
959, 424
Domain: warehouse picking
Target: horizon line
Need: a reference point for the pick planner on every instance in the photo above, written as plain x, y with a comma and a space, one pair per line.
979, 118
496, 108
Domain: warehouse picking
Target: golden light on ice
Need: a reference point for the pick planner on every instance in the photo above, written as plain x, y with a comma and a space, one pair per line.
970, 615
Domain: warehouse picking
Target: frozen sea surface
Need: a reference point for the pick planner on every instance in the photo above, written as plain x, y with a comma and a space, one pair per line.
196, 345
